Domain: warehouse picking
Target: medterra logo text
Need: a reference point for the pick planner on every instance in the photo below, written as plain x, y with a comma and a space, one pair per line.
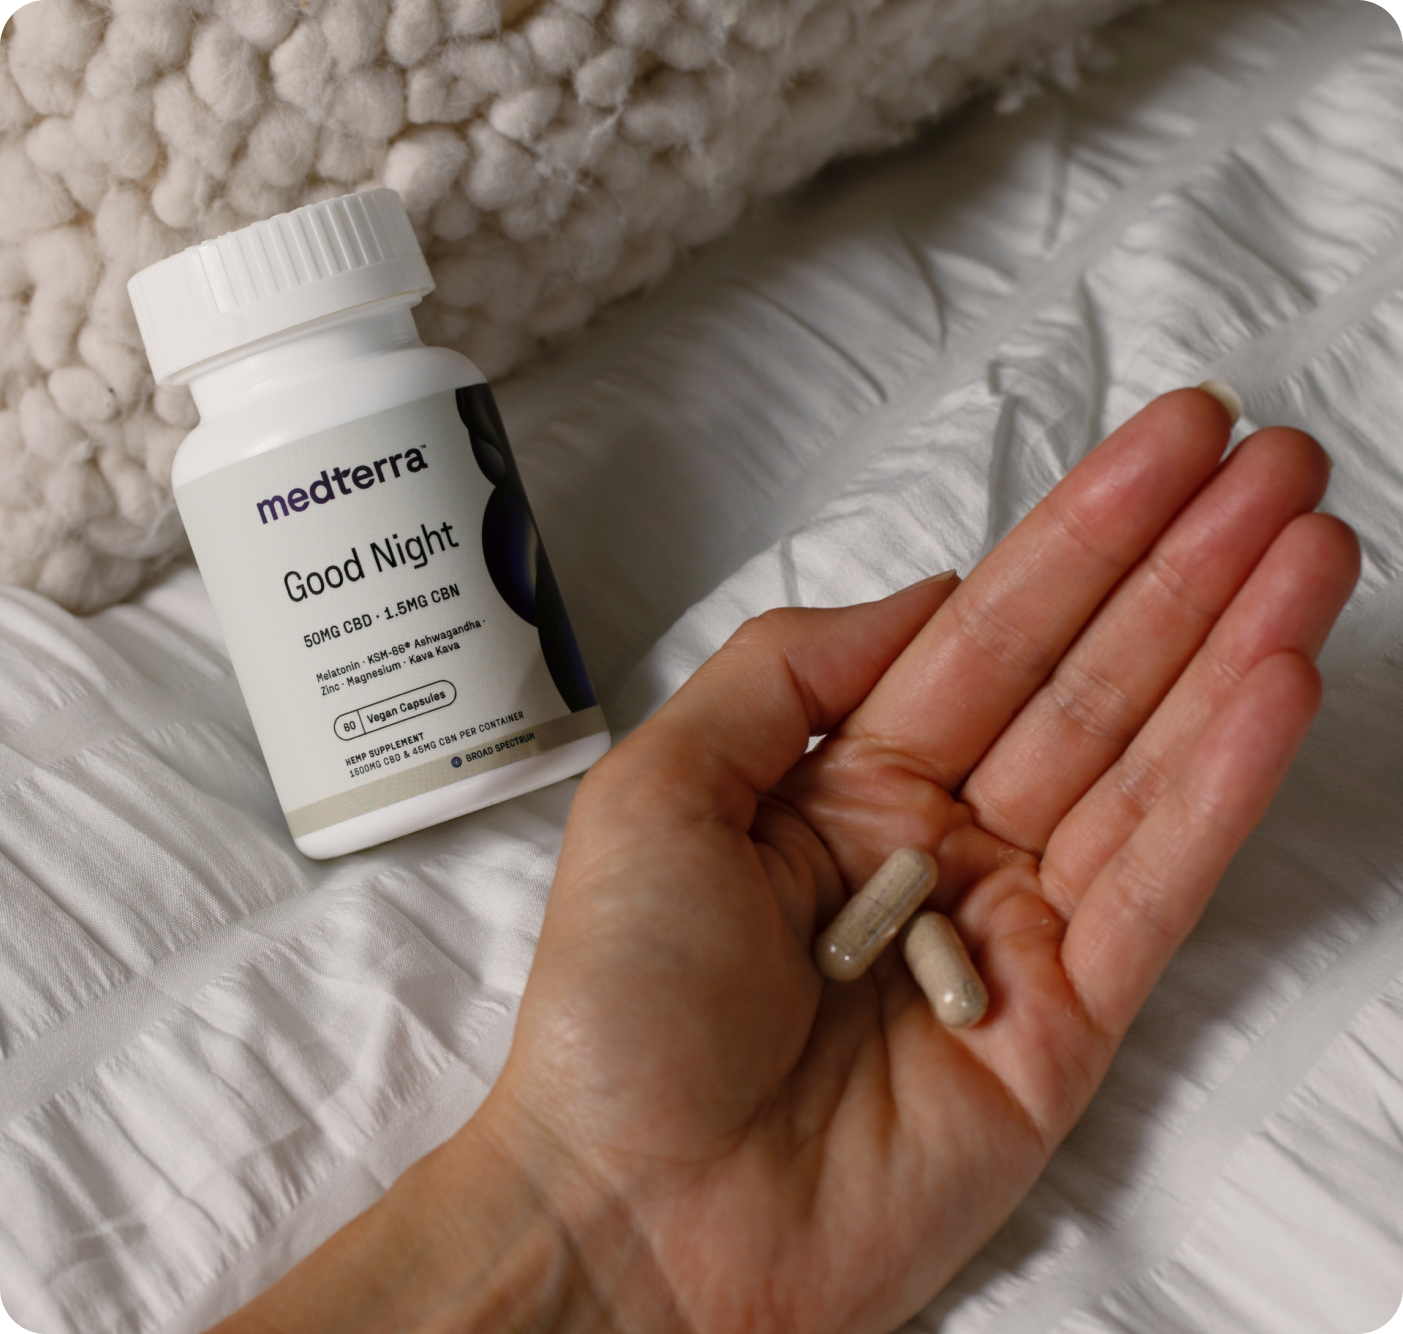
324, 489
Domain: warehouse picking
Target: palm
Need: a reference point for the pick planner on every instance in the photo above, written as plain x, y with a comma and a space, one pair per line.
1113, 695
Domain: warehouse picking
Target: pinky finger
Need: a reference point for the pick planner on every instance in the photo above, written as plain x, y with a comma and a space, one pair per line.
1149, 895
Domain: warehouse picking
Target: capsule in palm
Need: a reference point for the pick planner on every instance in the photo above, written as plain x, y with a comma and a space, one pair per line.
871, 919
942, 967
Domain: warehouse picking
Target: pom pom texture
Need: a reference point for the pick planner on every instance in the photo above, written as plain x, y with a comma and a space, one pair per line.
553, 155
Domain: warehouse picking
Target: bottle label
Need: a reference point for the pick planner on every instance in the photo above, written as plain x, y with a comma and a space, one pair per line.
390, 612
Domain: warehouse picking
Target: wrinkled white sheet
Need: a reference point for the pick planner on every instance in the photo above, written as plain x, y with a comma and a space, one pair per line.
214, 1051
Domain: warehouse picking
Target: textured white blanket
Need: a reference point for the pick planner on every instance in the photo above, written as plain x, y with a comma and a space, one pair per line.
553, 154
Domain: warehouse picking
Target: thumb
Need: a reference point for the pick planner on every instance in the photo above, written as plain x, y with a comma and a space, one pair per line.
746, 715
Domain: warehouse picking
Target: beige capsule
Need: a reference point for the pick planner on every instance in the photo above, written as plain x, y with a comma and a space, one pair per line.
941, 965
872, 917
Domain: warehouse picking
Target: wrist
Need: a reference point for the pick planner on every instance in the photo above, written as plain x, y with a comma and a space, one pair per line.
594, 1268
499, 1230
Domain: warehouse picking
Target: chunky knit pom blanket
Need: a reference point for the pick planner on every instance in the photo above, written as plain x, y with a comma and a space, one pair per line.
553, 154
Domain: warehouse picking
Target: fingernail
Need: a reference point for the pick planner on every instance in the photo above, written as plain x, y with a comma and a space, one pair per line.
937, 579
1227, 396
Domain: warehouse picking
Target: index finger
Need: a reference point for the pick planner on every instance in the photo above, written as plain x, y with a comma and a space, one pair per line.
957, 685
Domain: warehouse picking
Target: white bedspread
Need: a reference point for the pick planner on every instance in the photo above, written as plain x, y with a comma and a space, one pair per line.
215, 1052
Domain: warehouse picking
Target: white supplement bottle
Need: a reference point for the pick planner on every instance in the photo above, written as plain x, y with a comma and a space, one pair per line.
362, 530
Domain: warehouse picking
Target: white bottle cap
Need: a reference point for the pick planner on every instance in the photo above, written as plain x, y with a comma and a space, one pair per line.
260, 280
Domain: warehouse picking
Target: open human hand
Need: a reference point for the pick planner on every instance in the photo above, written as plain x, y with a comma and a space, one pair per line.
1083, 732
